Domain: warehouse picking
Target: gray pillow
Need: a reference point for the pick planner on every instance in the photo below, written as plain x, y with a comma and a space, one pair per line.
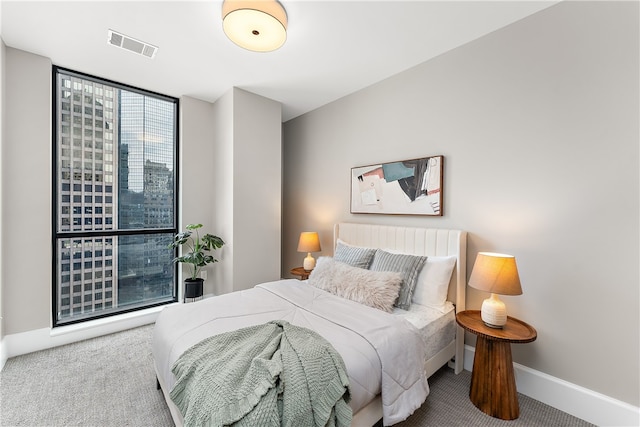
355, 256
408, 265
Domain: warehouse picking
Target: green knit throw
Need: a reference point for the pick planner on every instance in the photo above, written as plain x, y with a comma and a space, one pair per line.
275, 374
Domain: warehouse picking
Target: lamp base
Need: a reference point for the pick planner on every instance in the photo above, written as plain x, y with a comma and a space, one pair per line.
494, 312
309, 263
493, 326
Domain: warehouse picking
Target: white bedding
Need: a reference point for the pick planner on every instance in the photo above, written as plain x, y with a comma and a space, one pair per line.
437, 329
382, 352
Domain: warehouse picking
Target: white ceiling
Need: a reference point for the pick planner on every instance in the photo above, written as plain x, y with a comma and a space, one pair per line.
333, 47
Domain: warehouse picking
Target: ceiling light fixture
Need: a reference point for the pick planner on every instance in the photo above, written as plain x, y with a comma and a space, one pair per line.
256, 25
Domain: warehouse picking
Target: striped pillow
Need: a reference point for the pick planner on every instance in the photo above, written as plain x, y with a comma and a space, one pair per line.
354, 256
408, 265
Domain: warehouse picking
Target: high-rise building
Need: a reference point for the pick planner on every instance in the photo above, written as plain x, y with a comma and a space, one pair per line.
86, 195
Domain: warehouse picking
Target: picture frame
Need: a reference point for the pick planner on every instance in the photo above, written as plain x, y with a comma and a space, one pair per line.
406, 187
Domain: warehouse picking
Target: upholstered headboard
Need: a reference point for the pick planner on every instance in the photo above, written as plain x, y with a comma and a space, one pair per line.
417, 241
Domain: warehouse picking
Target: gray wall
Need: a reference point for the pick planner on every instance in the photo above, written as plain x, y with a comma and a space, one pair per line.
2, 120
538, 123
257, 183
223, 154
26, 193
239, 136
248, 187
196, 154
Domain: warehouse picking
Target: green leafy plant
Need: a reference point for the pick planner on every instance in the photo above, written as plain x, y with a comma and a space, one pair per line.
198, 248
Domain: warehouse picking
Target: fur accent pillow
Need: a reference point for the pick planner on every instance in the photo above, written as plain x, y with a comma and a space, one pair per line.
372, 288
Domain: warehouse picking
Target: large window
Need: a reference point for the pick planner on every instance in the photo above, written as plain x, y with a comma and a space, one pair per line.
115, 192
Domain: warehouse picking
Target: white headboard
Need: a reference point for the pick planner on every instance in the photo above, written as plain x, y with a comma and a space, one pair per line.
417, 241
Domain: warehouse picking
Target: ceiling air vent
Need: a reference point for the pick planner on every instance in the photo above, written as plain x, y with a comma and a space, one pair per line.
131, 44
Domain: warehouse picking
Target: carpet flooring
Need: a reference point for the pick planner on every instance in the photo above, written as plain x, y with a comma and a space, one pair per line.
110, 381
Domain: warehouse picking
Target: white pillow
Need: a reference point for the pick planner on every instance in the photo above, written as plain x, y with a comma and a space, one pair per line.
342, 242
433, 282
375, 289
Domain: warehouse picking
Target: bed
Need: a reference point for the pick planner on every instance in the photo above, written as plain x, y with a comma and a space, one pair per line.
298, 302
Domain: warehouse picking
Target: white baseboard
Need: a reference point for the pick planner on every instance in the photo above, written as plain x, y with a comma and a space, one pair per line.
3, 353
580, 402
40, 339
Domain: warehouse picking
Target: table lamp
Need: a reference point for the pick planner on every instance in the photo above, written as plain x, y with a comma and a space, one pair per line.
498, 274
309, 242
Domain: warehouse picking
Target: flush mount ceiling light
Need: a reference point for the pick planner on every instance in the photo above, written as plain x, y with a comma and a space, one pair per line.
257, 25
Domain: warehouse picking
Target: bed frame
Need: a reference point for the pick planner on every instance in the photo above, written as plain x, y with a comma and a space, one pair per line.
415, 241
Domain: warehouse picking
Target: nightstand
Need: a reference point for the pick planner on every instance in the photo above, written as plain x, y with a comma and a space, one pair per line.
493, 385
299, 271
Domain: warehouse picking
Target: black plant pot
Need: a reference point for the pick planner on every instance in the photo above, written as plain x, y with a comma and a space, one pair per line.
193, 288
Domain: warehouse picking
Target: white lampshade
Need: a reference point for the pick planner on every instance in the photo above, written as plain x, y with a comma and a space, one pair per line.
256, 25
309, 242
498, 274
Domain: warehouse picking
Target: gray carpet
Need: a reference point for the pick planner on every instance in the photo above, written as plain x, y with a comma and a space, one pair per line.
109, 381
106, 381
448, 404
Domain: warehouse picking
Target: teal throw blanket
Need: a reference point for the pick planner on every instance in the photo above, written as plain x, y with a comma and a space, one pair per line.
275, 374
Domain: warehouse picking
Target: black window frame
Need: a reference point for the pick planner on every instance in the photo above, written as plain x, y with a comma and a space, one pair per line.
56, 234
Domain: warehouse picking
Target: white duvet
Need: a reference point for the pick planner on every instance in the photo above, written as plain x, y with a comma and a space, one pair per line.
383, 353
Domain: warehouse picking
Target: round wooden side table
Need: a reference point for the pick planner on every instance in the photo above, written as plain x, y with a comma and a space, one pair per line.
299, 271
493, 385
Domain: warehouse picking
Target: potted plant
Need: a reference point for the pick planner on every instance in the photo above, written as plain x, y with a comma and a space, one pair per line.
196, 257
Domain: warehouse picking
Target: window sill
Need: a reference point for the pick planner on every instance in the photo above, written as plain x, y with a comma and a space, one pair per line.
111, 324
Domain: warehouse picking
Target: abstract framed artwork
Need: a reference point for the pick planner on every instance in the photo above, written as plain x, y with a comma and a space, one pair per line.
408, 187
